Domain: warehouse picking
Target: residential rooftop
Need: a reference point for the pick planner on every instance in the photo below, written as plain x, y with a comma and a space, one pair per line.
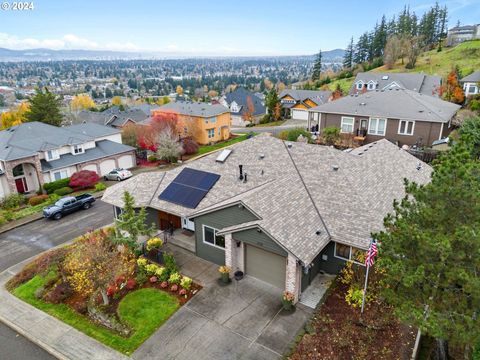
194, 108
318, 96
394, 103
303, 195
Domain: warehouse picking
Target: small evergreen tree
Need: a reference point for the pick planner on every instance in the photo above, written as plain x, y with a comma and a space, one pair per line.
45, 107
317, 67
348, 57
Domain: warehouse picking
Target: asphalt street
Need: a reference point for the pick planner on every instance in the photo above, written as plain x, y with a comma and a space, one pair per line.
31, 239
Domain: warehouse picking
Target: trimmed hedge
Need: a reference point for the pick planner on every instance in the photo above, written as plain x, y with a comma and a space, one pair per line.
35, 200
55, 185
63, 191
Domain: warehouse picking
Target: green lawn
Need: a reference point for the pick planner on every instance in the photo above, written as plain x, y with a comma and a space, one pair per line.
144, 310
345, 85
208, 148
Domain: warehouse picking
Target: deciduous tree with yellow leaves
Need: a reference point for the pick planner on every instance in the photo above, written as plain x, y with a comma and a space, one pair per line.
117, 100
81, 102
14, 117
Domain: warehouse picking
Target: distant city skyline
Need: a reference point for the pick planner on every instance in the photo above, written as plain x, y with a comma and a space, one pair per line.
190, 28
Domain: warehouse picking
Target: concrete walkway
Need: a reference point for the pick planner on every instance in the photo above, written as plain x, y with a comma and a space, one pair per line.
315, 291
51, 334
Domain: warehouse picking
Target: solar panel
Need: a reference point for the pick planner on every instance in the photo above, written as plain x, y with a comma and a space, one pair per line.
189, 187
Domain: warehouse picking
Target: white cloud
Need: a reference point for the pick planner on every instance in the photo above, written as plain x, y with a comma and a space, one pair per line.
68, 41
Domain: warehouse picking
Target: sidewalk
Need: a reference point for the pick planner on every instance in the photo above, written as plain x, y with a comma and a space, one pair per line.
51, 334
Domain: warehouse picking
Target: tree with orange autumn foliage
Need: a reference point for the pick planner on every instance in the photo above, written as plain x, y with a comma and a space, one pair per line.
338, 93
452, 91
249, 111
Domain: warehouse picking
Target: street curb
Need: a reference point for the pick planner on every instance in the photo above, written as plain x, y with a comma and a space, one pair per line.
32, 218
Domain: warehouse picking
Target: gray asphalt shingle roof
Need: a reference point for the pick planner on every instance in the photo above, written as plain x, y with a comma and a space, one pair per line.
473, 77
194, 108
295, 191
395, 103
240, 96
29, 138
103, 148
93, 130
424, 84
317, 96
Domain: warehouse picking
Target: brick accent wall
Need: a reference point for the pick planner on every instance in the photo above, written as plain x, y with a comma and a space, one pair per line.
234, 255
292, 278
10, 165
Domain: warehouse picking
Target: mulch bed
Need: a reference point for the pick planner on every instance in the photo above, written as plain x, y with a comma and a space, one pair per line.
340, 333
146, 163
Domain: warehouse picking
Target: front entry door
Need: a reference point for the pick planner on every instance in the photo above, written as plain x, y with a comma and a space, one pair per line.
21, 184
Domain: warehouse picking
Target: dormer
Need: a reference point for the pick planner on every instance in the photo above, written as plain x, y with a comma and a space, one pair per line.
359, 85
51, 155
77, 149
371, 85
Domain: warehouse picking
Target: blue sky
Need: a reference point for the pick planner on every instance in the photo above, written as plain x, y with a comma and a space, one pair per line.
242, 27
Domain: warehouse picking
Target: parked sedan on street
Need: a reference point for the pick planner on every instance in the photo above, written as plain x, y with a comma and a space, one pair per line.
118, 174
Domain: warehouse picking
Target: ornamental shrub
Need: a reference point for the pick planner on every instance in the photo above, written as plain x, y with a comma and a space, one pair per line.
161, 273
131, 283
142, 262
12, 201
170, 263
190, 146
331, 135
35, 200
175, 278
54, 185
63, 191
186, 283
154, 243
8, 215
152, 158
84, 179
151, 269
100, 186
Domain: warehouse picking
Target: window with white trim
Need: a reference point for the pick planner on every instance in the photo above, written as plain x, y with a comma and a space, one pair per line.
359, 86
210, 237
211, 133
371, 86
472, 89
346, 252
377, 126
406, 127
78, 149
51, 155
347, 124
62, 174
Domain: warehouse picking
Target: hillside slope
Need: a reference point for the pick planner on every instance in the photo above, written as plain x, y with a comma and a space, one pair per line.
465, 55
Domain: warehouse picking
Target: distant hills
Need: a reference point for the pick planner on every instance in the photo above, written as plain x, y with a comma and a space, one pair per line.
49, 55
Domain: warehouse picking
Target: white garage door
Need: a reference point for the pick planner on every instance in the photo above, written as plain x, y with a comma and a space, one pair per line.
125, 162
106, 166
299, 114
265, 265
90, 167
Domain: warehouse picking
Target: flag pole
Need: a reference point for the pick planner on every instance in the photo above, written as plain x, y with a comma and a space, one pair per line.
365, 288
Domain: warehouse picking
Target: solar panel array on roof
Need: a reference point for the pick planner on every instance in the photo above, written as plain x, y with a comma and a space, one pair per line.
189, 187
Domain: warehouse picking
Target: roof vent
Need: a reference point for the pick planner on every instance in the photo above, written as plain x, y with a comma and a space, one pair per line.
261, 156
385, 77
335, 167
363, 103
318, 232
245, 178
289, 145
240, 168
419, 166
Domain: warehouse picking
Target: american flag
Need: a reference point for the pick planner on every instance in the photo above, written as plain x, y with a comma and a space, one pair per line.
371, 253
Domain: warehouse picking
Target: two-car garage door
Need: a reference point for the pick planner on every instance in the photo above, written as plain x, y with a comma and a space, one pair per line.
298, 114
265, 265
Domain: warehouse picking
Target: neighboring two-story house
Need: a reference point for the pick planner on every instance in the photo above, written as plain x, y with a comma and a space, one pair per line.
206, 123
242, 103
372, 81
296, 103
35, 153
471, 84
117, 118
404, 117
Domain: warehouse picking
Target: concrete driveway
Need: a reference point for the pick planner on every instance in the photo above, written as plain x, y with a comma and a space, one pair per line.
243, 320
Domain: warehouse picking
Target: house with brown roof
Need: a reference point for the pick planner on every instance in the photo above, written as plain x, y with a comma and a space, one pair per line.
278, 211
404, 117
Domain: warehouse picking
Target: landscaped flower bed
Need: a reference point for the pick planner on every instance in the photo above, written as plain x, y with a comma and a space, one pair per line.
98, 286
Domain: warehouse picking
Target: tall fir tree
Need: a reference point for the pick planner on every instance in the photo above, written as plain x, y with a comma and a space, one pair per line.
348, 57
45, 107
430, 252
317, 67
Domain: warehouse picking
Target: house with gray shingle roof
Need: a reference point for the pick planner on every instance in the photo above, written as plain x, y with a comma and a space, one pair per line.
243, 103
35, 153
421, 83
115, 117
278, 211
402, 116
296, 103
471, 83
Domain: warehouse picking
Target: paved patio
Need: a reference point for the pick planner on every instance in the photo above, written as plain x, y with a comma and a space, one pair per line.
243, 320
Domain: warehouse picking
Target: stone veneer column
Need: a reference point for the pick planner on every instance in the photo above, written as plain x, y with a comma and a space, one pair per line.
229, 251
291, 278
